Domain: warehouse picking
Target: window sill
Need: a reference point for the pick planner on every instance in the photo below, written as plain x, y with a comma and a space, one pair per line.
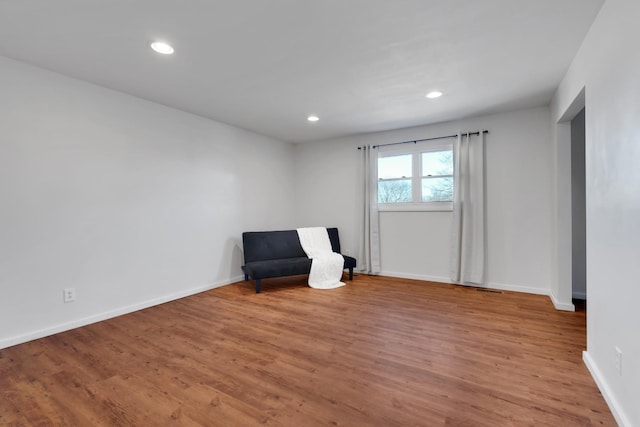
417, 207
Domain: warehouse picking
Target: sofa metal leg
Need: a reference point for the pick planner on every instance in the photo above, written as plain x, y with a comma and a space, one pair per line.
351, 273
257, 286
246, 277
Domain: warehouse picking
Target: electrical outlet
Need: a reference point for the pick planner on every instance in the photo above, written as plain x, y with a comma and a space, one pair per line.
347, 252
619, 361
69, 294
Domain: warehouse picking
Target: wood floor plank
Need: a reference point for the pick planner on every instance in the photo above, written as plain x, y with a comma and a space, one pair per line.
377, 352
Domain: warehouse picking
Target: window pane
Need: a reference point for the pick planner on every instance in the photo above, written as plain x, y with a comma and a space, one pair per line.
394, 191
437, 189
437, 163
394, 166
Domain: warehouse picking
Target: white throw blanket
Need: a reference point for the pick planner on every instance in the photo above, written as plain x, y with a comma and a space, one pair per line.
326, 265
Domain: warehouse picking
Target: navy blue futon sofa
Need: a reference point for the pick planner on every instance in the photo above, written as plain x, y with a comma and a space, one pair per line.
269, 254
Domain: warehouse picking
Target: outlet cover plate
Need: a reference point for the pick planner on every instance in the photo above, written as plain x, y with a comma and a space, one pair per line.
69, 294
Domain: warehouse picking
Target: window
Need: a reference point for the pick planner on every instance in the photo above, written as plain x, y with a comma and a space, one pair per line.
437, 176
417, 178
394, 179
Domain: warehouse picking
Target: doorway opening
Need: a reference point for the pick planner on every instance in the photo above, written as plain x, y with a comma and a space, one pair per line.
578, 210
570, 256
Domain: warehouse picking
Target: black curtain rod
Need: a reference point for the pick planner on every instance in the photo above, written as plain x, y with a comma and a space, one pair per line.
427, 139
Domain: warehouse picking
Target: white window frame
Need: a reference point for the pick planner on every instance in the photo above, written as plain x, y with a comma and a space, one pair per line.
416, 151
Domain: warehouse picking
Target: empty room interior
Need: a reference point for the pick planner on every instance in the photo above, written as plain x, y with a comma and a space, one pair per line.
176, 176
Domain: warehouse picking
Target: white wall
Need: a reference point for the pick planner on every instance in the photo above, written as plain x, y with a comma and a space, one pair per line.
127, 201
416, 244
608, 67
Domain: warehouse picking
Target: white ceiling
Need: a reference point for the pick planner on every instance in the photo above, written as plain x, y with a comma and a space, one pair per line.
265, 65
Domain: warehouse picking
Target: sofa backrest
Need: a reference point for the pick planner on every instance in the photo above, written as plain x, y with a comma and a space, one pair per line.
334, 238
268, 245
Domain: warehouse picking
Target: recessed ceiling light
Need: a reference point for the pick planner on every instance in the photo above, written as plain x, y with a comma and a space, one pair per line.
162, 47
313, 118
434, 94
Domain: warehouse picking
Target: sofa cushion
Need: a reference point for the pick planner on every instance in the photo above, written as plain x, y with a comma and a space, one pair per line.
278, 267
285, 267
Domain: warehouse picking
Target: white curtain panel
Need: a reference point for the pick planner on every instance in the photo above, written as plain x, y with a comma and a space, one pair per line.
369, 247
468, 240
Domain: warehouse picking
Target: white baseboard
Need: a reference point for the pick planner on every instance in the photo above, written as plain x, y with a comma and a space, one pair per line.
415, 277
8, 342
563, 306
516, 288
614, 406
492, 285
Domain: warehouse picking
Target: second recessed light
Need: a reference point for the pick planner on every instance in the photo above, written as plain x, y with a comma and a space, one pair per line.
434, 94
313, 118
162, 47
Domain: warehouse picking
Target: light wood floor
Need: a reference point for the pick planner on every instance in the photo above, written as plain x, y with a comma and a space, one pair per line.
377, 352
